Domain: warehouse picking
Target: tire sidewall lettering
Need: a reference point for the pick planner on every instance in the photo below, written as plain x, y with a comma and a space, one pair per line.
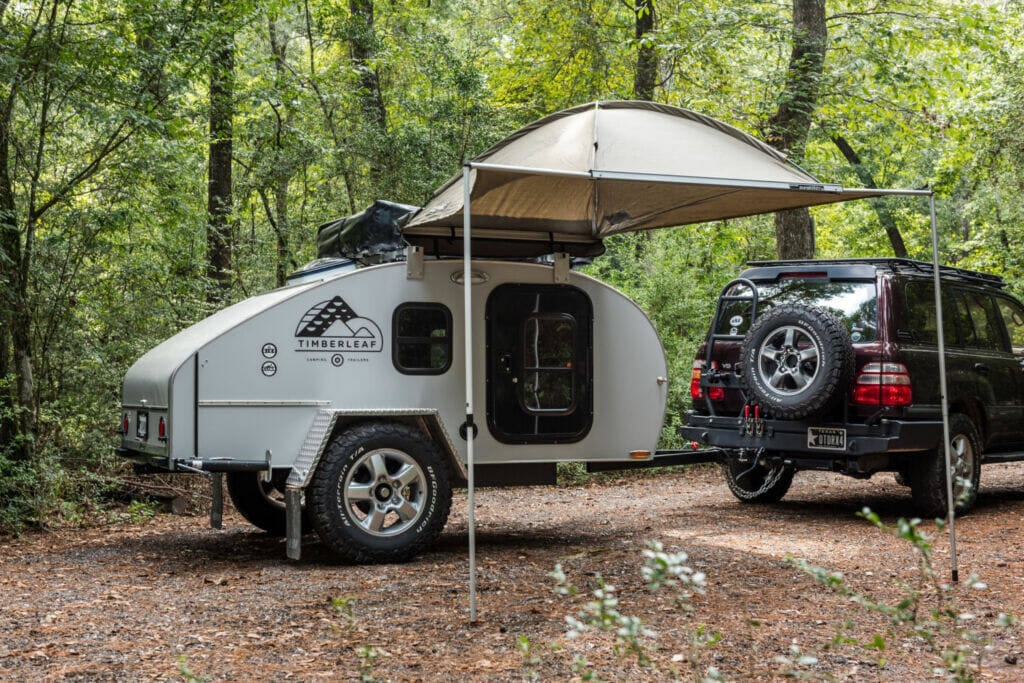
426, 516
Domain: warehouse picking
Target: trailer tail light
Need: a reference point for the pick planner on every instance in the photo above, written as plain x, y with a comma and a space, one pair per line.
714, 393
124, 424
161, 430
882, 384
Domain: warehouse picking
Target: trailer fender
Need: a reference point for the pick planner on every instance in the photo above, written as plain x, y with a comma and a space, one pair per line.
329, 422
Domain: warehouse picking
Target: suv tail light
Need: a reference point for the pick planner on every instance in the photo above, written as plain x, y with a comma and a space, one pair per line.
882, 384
714, 393
124, 424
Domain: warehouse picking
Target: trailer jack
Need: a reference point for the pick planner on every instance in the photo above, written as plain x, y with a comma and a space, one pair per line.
215, 469
217, 504
293, 522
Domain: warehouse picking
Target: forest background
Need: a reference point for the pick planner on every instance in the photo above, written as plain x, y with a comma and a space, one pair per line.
160, 159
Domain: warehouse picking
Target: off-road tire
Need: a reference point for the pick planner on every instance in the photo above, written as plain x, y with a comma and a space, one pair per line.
835, 361
927, 472
252, 504
762, 485
339, 529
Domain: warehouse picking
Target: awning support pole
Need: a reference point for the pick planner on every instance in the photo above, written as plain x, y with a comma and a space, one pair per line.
467, 318
951, 503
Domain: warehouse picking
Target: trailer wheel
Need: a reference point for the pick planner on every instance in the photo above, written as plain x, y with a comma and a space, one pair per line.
381, 493
928, 471
797, 360
261, 502
756, 482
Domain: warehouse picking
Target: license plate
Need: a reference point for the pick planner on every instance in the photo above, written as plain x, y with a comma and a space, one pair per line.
826, 438
142, 425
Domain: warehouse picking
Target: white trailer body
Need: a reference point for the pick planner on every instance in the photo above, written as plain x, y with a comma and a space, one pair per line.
568, 371
253, 387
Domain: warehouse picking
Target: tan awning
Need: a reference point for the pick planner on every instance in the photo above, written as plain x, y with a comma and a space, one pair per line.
582, 174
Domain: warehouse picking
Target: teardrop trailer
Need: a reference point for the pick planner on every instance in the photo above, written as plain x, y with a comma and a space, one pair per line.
350, 393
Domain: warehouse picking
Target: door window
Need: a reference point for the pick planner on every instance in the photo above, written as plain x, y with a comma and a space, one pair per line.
548, 360
921, 313
987, 328
1013, 317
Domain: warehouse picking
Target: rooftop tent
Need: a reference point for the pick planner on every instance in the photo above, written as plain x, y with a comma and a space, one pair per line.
568, 180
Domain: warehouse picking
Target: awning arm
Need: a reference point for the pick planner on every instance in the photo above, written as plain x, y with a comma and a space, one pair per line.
467, 324
943, 397
597, 174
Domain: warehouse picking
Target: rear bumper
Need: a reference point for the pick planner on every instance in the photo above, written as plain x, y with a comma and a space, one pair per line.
886, 436
146, 461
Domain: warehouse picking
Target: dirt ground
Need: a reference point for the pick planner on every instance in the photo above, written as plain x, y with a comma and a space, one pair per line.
169, 598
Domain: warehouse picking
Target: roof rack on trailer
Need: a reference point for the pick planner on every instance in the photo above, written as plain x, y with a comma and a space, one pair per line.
894, 263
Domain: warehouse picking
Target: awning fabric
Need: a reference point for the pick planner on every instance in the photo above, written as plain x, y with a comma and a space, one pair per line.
568, 180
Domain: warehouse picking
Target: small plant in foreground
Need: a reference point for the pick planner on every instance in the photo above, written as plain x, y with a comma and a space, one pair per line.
927, 609
664, 569
661, 569
790, 664
603, 614
344, 607
186, 673
529, 655
367, 660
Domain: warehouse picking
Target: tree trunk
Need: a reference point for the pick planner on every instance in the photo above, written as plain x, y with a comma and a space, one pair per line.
789, 126
7, 426
282, 175
282, 248
646, 77
219, 197
364, 49
14, 312
644, 80
881, 208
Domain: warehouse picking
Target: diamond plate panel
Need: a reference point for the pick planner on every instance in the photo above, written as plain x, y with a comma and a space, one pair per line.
312, 447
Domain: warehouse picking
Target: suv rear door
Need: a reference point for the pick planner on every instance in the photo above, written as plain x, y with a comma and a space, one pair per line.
1013, 321
996, 371
919, 348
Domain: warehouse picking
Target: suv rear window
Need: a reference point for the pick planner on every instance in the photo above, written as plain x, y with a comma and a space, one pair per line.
855, 303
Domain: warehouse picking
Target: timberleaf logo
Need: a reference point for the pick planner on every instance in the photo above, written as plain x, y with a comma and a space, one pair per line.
333, 326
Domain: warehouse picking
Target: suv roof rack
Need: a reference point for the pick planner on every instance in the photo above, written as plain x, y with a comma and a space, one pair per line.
896, 264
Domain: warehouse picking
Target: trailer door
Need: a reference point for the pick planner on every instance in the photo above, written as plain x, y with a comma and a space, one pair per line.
539, 364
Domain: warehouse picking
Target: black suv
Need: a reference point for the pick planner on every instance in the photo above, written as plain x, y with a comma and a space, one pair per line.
833, 365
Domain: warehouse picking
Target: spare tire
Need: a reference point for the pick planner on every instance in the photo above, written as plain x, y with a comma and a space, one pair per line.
797, 360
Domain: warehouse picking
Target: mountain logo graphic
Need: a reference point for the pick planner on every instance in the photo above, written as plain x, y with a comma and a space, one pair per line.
333, 326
